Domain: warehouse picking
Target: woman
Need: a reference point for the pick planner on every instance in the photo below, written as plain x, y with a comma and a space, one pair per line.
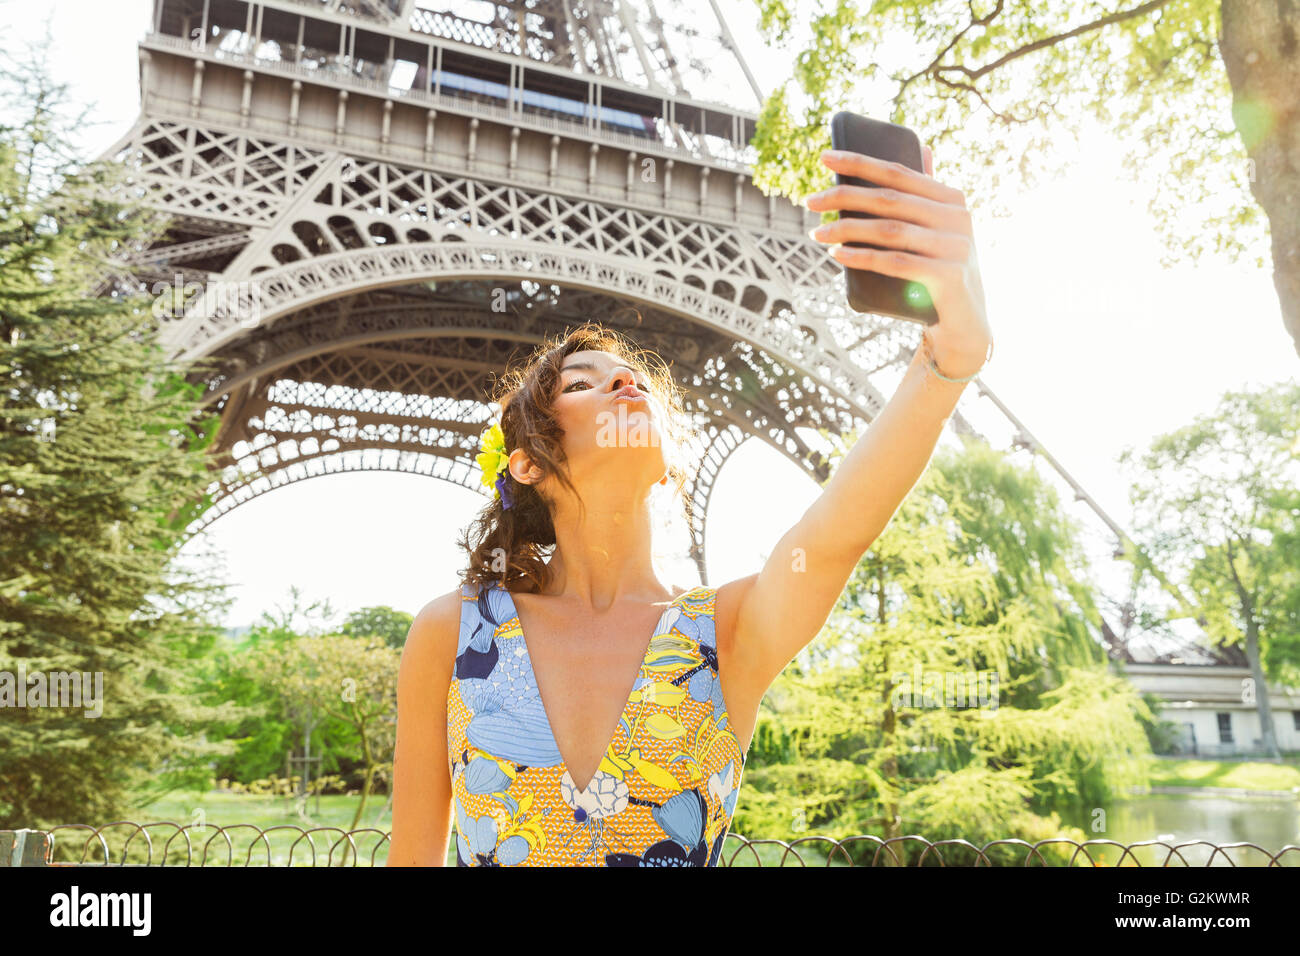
510, 685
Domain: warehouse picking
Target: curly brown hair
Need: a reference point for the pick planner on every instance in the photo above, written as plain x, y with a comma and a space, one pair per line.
509, 545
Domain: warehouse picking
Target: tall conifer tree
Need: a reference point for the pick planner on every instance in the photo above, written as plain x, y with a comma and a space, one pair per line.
101, 468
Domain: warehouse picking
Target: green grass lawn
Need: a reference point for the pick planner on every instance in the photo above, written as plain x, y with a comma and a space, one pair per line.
224, 809
1244, 775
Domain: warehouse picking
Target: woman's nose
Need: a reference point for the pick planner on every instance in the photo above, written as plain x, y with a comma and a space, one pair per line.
622, 376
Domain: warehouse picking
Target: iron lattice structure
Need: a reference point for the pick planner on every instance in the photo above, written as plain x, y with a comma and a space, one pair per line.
375, 205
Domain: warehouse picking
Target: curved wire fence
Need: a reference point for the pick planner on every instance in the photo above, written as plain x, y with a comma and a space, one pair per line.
126, 843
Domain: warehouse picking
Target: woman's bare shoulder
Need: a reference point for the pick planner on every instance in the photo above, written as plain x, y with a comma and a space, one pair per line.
435, 630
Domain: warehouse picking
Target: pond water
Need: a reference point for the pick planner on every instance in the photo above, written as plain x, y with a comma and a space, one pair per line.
1268, 822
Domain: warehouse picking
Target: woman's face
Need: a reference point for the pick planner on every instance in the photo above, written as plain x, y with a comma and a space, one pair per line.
611, 422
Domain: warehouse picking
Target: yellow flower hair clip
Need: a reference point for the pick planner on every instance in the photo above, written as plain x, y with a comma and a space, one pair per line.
494, 460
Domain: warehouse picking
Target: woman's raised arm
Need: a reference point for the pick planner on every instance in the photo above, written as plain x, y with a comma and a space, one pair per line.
927, 230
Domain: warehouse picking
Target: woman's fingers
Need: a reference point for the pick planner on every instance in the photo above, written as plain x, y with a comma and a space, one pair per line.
896, 234
902, 193
896, 175
923, 226
937, 275
892, 204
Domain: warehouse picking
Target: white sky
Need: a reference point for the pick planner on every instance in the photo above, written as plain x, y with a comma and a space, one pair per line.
1097, 348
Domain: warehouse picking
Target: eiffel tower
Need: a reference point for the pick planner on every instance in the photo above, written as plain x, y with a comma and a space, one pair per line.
373, 205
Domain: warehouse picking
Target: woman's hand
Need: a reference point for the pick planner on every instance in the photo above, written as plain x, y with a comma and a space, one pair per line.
927, 231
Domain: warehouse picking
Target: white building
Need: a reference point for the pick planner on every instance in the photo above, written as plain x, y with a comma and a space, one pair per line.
1210, 699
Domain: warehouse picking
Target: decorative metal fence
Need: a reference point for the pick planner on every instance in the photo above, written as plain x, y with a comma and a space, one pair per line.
126, 843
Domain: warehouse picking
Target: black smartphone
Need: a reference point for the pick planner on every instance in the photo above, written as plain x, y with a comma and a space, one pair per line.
870, 291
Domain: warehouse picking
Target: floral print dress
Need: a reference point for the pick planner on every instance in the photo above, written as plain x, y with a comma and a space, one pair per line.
665, 791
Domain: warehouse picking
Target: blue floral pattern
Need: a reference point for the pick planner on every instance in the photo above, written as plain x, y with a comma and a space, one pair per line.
666, 789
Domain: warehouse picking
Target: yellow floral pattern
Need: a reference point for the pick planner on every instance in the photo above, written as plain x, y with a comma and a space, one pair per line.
665, 791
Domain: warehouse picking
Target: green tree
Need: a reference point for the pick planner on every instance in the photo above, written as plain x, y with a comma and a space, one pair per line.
381, 621
350, 679
262, 731
102, 464
960, 689
261, 735
1201, 94
1217, 504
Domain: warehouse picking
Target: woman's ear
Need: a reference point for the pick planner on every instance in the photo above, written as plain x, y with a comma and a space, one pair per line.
522, 468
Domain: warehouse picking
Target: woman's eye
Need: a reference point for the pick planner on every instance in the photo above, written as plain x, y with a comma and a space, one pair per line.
583, 381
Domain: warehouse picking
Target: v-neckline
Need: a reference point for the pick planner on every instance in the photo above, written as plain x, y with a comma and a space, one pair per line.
627, 699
